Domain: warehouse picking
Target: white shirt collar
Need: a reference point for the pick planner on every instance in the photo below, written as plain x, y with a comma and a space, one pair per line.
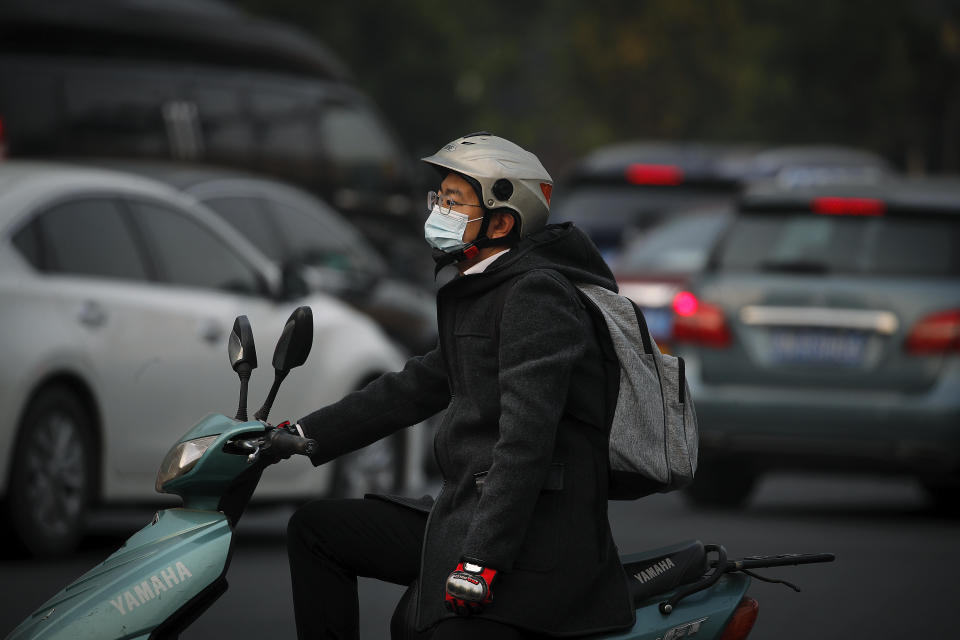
483, 264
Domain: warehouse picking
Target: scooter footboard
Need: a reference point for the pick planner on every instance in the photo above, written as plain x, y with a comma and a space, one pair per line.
161, 571
704, 613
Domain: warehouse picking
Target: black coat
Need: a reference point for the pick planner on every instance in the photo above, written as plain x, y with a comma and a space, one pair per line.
523, 445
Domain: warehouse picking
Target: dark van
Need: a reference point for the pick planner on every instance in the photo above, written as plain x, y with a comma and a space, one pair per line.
204, 82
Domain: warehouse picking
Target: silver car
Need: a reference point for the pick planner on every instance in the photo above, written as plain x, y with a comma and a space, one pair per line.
302, 233
116, 297
825, 334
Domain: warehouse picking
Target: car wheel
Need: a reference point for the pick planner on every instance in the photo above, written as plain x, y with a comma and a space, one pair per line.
377, 468
721, 485
52, 474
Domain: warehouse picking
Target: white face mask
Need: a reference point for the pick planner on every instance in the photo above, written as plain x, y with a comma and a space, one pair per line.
444, 229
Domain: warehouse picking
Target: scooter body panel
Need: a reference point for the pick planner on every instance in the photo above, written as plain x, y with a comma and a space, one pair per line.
203, 485
701, 615
157, 571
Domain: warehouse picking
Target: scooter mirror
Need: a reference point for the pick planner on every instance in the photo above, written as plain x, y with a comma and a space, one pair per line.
241, 348
243, 359
295, 341
292, 351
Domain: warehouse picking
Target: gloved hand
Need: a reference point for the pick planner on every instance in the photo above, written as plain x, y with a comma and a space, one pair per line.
270, 451
469, 588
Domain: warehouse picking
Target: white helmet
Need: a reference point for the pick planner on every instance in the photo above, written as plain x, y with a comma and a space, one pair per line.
505, 176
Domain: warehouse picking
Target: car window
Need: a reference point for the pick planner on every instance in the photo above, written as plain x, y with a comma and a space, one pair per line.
190, 254
886, 245
351, 134
229, 134
286, 121
680, 245
321, 241
914, 247
249, 217
606, 212
28, 242
83, 237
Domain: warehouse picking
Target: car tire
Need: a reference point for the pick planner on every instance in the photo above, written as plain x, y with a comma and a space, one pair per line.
51, 484
377, 468
721, 485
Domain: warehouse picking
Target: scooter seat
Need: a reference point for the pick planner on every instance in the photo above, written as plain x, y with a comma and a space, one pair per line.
661, 570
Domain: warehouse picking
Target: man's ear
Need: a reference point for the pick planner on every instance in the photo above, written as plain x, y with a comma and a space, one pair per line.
500, 225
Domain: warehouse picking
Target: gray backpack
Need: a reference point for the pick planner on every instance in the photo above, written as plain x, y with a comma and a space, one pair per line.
653, 434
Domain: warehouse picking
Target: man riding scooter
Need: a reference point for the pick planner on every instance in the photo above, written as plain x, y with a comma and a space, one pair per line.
517, 543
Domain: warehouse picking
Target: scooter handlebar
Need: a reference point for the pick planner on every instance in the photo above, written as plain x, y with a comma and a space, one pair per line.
283, 444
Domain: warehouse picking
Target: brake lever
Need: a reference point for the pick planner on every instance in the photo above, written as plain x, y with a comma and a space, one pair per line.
251, 445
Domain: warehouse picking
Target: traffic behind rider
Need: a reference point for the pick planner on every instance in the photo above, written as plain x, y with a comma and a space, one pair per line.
517, 543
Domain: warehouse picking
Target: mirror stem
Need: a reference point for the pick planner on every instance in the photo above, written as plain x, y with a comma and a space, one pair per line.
244, 372
264, 411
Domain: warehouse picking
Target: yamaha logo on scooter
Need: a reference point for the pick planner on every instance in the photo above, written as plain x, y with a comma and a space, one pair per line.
150, 589
654, 570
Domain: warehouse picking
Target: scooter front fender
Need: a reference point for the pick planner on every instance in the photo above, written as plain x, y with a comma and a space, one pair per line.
703, 615
172, 566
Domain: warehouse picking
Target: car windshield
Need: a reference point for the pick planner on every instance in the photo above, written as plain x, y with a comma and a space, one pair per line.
680, 245
805, 243
607, 213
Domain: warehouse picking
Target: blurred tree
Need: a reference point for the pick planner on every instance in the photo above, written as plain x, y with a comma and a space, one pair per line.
565, 76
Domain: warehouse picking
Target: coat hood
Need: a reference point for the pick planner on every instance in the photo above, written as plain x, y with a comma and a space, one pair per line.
561, 247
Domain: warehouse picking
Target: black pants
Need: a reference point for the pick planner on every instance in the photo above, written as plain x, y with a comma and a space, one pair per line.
332, 542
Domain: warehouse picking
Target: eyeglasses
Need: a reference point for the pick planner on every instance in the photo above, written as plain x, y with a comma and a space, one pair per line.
446, 204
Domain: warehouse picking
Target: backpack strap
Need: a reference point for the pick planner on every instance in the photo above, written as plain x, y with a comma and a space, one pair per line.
644, 331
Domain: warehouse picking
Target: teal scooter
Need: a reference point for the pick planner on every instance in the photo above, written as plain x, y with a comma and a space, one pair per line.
172, 570
168, 573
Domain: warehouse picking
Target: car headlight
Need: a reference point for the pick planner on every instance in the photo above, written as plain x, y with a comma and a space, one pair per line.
181, 459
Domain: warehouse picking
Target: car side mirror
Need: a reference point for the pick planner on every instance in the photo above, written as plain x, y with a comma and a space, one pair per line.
293, 286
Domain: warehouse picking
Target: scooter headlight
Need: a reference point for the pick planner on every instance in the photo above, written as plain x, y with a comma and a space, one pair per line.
181, 459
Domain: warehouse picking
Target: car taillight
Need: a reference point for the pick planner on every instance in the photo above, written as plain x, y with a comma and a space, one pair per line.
936, 333
699, 322
665, 175
742, 620
848, 206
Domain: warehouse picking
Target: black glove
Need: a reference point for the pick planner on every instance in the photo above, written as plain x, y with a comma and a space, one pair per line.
277, 444
469, 588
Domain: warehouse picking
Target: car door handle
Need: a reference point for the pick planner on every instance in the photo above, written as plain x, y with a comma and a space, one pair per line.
92, 314
211, 331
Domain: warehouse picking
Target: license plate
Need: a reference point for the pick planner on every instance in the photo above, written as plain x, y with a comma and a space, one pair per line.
818, 346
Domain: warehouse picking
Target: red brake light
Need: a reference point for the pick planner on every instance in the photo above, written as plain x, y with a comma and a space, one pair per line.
742, 620
936, 333
848, 206
685, 303
654, 174
699, 322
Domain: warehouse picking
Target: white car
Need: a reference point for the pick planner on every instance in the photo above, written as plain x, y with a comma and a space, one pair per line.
117, 295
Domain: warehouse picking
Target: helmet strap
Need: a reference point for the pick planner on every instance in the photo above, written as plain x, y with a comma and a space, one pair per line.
468, 251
